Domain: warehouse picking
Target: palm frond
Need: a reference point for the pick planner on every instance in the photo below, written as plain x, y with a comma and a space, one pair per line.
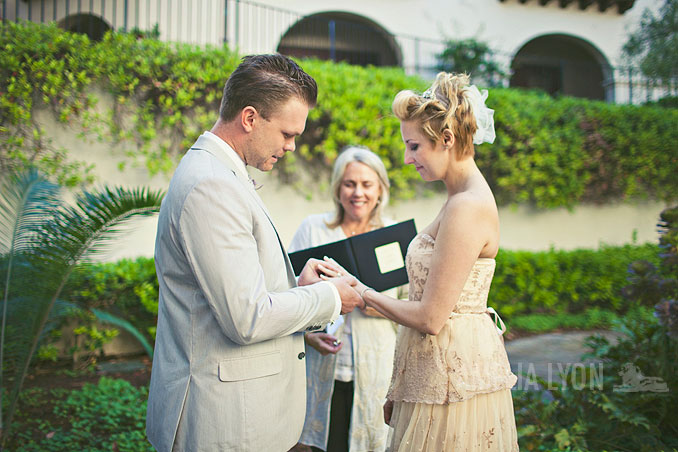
24, 326
27, 199
107, 317
84, 229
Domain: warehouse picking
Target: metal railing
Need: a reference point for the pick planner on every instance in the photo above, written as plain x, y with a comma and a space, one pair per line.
193, 21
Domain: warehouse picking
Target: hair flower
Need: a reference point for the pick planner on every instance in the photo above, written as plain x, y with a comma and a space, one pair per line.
484, 116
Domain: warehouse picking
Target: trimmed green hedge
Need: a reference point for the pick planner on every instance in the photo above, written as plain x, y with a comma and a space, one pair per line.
548, 153
564, 281
581, 282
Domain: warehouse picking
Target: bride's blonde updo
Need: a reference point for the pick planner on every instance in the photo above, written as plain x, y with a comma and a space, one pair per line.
446, 105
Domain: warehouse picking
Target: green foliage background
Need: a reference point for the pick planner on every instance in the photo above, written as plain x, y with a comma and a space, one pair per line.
548, 153
638, 414
110, 415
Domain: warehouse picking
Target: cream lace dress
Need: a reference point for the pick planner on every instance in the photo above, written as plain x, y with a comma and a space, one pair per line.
452, 391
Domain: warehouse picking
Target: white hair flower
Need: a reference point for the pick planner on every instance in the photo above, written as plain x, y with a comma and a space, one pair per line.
484, 116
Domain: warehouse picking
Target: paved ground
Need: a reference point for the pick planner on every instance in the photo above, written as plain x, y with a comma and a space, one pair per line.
547, 355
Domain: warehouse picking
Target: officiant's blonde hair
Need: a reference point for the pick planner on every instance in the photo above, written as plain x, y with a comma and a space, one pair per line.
362, 155
445, 105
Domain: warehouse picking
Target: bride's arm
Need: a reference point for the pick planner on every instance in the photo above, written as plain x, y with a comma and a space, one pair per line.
463, 233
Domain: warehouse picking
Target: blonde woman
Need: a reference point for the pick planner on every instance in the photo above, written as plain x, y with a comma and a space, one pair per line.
348, 372
450, 389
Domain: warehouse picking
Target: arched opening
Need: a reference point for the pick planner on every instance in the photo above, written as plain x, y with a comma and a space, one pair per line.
565, 65
341, 37
93, 26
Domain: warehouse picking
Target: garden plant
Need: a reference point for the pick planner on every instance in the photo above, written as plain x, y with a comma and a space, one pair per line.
618, 415
42, 239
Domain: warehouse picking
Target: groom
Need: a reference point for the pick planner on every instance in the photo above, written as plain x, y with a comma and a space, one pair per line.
229, 369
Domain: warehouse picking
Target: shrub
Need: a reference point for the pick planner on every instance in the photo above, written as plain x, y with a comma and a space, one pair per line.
128, 288
472, 57
607, 417
552, 282
593, 318
665, 102
110, 415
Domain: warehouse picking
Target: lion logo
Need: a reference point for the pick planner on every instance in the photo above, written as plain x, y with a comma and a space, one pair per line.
634, 381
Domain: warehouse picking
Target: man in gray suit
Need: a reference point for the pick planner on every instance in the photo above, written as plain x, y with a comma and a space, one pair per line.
229, 370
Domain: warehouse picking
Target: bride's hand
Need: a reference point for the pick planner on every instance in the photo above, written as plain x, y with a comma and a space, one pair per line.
331, 269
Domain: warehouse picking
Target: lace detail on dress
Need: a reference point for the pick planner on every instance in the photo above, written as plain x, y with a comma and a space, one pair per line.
466, 358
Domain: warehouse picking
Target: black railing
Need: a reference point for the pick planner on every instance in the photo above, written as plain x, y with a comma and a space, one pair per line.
194, 21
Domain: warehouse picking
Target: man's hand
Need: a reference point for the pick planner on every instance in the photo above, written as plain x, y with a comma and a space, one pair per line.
388, 411
323, 342
350, 299
310, 274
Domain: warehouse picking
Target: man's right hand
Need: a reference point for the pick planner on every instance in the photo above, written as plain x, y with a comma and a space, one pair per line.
350, 299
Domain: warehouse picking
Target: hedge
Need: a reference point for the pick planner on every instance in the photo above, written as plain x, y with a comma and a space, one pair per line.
565, 281
548, 282
548, 152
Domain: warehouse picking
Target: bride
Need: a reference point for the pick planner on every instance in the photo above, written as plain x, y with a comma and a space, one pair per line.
450, 389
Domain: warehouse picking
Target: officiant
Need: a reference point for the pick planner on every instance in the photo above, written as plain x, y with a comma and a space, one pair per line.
349, 366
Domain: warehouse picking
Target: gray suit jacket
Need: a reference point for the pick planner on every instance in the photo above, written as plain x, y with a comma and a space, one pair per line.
228, 370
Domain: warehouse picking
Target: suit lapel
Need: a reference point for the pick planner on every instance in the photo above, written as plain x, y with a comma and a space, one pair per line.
204, 144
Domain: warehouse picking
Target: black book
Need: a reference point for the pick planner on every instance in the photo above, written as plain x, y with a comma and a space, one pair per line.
377, 258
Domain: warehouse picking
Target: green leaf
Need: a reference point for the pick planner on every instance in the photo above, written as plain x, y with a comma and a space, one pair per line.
107, 317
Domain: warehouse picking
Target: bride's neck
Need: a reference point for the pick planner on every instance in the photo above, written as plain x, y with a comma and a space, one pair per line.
459, 175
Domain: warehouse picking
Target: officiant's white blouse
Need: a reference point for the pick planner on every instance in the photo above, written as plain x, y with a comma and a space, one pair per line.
366, 359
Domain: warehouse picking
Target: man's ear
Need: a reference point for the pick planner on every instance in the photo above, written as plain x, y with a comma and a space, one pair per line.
448, 139
248, 117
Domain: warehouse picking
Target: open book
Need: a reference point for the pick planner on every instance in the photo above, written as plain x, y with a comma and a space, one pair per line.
377, 258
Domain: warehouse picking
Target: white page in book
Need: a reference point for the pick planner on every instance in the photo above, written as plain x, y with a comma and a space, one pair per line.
389, 257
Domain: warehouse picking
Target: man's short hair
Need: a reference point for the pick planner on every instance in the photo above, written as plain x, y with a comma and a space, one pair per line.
265, 82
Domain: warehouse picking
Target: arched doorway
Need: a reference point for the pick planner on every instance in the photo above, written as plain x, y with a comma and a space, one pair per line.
562, 64
88, 24
341, 36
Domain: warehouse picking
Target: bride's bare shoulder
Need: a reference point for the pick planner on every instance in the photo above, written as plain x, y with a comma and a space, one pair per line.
473, 213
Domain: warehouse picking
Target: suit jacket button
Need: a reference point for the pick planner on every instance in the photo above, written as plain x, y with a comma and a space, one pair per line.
301, 355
